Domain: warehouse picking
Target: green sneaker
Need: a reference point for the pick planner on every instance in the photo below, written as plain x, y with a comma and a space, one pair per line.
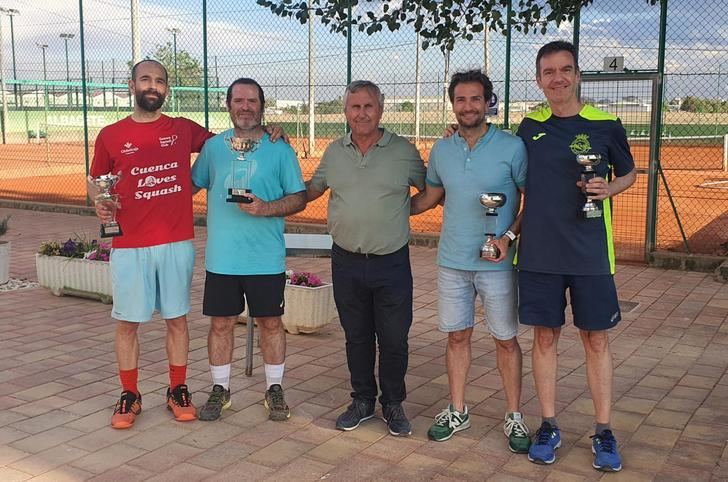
517, 433
217, 401
447, 423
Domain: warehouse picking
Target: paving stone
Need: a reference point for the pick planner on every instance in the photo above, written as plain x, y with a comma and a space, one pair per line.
49, 459
107, 458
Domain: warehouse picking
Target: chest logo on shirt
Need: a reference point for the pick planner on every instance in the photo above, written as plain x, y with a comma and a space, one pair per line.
168, 141
538, 136
129, 148
580, 144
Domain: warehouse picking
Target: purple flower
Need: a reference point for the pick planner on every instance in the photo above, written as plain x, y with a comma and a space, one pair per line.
68, 248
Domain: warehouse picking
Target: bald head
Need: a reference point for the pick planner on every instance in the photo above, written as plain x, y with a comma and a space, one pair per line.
148, 61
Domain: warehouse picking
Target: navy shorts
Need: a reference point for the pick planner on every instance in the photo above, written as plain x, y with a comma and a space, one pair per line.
542, 300
225, 295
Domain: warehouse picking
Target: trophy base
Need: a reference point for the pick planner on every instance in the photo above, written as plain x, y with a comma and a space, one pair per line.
489, 251
238, 196
593, 213
110, 230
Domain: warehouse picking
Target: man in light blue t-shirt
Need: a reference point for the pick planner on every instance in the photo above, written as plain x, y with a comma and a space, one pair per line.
478, 159
245, 252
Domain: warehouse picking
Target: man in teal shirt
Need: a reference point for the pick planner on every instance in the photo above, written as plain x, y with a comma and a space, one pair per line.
245, 253
478, 159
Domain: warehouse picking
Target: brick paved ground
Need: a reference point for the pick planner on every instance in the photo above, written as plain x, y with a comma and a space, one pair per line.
58, 383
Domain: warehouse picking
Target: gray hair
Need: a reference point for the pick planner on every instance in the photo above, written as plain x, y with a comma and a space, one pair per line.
370, 86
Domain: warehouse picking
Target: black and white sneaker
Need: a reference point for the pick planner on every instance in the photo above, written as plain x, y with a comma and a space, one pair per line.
396, 420
356, 413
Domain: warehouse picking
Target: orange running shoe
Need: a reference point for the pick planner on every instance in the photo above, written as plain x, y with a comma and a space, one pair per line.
126, 410
179, 401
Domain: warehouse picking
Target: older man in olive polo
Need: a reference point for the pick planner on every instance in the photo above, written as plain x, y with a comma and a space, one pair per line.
370, 172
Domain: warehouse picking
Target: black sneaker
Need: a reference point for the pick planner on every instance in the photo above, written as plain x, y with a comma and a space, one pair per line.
278, 410
396, 420
356, 413
217, 401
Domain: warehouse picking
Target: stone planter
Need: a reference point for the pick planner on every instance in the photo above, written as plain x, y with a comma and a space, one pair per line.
4, 262
75, 277
307, 309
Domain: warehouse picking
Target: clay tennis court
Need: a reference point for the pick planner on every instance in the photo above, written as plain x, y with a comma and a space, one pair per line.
55, 173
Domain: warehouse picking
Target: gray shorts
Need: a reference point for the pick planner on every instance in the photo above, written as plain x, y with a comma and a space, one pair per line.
498, 292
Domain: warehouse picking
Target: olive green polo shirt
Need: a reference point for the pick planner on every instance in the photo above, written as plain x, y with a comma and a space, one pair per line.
369, 203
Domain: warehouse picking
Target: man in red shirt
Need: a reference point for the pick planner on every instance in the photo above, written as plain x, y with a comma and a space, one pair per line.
152, 261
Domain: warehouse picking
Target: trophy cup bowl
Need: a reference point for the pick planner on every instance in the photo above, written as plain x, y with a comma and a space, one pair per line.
105, 184
588, 162
240, 169
491, 201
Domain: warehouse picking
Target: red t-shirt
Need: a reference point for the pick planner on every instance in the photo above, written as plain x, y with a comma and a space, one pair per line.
155, 190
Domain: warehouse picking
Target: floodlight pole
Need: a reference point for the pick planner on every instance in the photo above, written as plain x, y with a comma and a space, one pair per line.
174, 31
66, 37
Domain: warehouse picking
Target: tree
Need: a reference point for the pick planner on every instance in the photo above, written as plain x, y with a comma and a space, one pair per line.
335, 106
439, 22
406, 106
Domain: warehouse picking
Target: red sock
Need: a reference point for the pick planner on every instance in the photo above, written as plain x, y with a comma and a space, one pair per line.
177, 375
129, 380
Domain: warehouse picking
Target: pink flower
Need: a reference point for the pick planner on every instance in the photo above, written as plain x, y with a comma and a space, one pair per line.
304, 278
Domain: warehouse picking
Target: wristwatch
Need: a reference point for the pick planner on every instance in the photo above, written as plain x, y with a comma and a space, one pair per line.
511, 236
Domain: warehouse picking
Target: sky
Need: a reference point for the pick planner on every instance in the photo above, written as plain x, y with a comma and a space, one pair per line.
246, 39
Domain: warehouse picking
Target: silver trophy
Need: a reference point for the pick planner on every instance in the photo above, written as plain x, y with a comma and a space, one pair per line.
588, 162
241, 169
105, 184
491, 201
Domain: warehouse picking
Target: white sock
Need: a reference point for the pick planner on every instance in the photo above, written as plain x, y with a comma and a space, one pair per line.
221, 375
274, 374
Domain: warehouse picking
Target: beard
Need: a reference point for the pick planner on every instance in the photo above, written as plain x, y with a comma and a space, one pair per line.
149, 105
470, 124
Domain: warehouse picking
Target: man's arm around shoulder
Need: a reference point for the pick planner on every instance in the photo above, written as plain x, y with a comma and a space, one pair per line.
426, 199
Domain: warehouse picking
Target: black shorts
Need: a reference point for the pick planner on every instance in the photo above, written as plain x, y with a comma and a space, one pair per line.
542, 300
224, 294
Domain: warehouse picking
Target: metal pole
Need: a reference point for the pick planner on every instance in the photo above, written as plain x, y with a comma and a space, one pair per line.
217, 84
348, 45
348, 53
136, 40
83, 87
43, 48
311, 100
11, 13
486, 53
507, 89
176, 73
103, 81
654, 168
249, 346
577, 28
174, 31
66, 37
445, 80
206, 77
418, 90
2, 87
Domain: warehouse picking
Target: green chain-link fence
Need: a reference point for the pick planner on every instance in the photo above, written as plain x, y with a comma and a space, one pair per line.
43, 157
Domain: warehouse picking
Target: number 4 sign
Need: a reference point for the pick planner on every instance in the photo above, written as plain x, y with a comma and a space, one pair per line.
613, 64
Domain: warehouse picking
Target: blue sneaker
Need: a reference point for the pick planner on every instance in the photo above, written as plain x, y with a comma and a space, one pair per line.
606, 455
544, 445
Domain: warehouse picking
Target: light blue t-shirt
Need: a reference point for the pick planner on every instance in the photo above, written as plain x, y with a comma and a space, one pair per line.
497, 163
238, 243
